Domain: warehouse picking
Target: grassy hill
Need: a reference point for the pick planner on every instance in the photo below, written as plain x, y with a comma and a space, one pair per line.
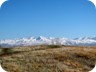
48, 58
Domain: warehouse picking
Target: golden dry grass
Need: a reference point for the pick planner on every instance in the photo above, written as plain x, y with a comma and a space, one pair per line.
49, 58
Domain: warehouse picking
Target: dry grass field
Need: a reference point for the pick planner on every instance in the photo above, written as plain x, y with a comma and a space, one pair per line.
48, 58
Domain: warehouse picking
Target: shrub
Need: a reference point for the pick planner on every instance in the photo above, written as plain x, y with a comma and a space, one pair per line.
6, 50
54, 46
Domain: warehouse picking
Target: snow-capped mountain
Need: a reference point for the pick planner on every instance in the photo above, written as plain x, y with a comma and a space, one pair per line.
84, 41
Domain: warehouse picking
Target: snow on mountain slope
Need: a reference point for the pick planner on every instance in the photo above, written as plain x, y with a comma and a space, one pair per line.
85, 41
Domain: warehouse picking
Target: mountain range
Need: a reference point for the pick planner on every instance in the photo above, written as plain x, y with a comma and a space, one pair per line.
83, 41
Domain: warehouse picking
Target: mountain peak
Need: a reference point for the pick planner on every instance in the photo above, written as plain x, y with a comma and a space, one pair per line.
83, 41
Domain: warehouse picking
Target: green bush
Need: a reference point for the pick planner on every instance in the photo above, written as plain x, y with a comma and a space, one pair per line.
7, 50
54, 46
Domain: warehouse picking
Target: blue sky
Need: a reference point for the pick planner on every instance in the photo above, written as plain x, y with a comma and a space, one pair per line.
55, 18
